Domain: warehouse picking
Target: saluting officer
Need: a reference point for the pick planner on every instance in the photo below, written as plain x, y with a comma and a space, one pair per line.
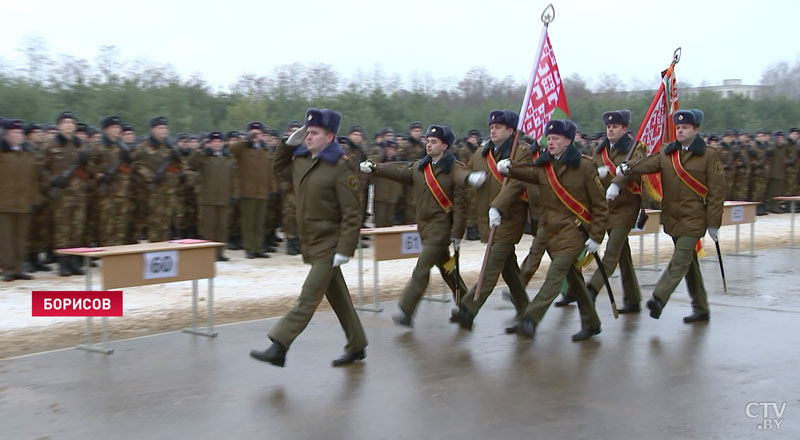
329, 217
438, 181
575, 215
694, 190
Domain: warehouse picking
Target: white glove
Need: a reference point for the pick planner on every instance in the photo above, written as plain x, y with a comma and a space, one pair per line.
476, 178
297, 137
494, 217
612, 192
340, 259
713, 233
504, 166
623, 168
456, 244
602, 171
591, 246
366, 166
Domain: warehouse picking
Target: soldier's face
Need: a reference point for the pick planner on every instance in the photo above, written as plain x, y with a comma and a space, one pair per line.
744, 138
36, 136
112, 132
256, 134
556, 144
14, 137
685, 133
615, 132
129, 136
215, 144
195, 144
66, 127
474, 140
51, 133
498, 133
356, 138
435, 147
728, 139
82, 135
318, 138
160, 132
794, 136
415, 133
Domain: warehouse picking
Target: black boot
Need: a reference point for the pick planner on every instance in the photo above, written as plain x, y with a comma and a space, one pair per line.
565, 300
293, 246
32, 262
235, 243
270, 240
63, 266
275, 355
585, 334
39, 265
400, 318
349, 358
655, 307
50, 258
75, 265
761, 210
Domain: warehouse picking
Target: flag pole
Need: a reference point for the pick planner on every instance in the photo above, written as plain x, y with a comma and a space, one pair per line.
548, 15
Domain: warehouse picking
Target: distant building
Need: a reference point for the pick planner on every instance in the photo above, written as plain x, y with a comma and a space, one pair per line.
729, 88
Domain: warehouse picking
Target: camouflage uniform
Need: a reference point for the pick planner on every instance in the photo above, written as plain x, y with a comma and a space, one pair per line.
741, 163
776, 183
186, 198
758, 173
157, 166
70, 191
792, 167
112, 163
726, 155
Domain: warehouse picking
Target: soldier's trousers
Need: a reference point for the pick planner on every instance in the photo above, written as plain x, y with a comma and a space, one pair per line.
564, 266
683, 264
40, 238
214, 224
384, 214
254, 213
502, 260
14, 229
115, 219
272, 218
792, 183
618, 251
774, 189
430, 256
532, 261
159, 214
69, 220
323, 280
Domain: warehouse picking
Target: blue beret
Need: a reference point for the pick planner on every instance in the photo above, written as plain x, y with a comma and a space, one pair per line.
692, 116
323, 118
505, 117
442, 132
12, 124
622, 117
158, 120
65, 115
108, 121
255, 125
564, 127
214, 135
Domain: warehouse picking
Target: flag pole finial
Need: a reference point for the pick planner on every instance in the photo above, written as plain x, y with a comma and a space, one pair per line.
548, 15
676, 57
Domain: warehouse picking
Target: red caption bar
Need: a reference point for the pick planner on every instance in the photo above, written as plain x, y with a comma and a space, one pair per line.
78, 303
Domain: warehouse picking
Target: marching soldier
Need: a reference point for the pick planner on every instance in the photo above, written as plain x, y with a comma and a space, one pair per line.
694, 189
19, 181
255, 183
66, 163
438, 181
622, 211
329, 216
113, 164
575, 221
217, 176
502, 259
158, 165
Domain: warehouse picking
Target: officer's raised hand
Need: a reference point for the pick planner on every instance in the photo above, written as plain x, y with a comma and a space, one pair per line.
297, 137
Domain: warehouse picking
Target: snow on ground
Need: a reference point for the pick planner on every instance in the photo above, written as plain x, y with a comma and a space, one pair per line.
260, 288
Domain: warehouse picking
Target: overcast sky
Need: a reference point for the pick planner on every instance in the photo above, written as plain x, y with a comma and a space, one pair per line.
222, 39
